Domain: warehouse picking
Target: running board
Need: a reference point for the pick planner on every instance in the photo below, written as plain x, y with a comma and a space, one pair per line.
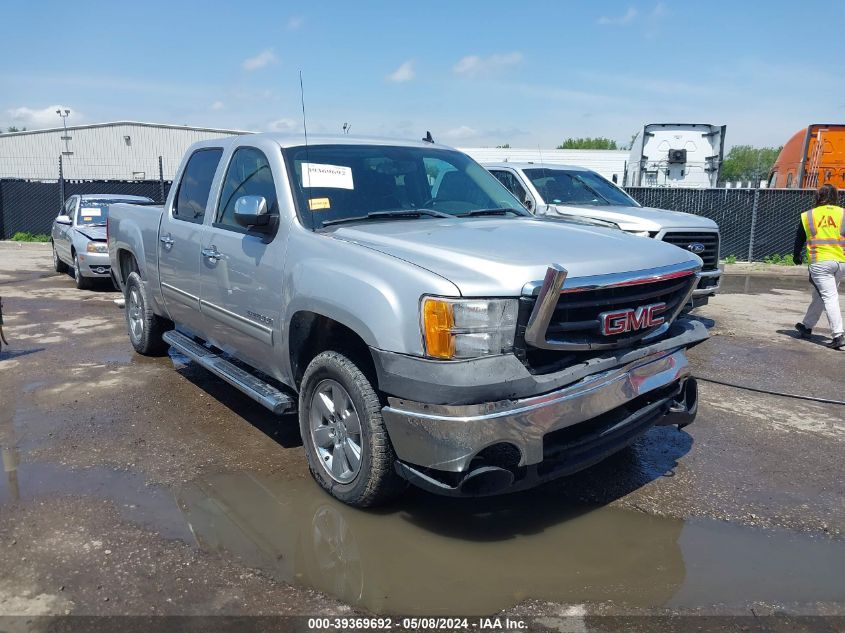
260, 391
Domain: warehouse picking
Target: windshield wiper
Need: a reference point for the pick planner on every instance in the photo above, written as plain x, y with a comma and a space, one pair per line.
502, 211
398, 214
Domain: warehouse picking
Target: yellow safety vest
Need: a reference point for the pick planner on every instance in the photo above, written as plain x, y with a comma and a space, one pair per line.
825, 229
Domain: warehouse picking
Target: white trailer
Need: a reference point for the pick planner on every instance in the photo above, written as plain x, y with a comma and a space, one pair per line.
676, 155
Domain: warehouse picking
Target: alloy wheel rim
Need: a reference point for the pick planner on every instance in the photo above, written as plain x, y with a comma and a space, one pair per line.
336, 431
136, 321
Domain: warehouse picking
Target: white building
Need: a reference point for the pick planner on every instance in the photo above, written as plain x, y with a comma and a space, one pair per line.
608, 163
123, 150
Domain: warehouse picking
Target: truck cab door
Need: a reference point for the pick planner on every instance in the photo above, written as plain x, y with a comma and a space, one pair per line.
513, 183
180, 240
241, 269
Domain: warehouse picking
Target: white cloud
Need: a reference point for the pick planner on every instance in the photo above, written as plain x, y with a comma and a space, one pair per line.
264, 58
620, 20
217, 106
405, 72
43, 117
284, 125
295, 22
472, 65
460, 132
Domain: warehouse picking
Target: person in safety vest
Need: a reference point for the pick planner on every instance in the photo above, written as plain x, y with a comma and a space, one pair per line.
822, 229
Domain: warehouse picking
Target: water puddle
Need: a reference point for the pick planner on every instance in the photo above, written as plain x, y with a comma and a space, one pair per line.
761, 285
429, 555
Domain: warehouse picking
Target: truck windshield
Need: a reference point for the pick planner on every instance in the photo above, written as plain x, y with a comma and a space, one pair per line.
562, 186
333, 183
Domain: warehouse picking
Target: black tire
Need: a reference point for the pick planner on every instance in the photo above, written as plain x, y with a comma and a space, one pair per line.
82, 282
145, 327
376, 483
58, 265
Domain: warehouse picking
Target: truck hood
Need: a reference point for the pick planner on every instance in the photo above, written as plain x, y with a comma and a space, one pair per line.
634, 218
95, 233
498, 256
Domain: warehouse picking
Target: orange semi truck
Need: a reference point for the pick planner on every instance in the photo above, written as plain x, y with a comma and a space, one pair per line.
812, 157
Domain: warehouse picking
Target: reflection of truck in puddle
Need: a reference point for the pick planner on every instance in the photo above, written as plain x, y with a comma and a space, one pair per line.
434, 558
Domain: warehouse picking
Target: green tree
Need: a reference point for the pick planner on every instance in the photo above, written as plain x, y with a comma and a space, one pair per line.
588, 143
745, 162
505, 146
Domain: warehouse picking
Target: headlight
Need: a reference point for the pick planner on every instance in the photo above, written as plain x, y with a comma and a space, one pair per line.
97, 247
468, 328
639, 233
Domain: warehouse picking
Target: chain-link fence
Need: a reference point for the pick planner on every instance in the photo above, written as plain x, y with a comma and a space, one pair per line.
755, 223
30, 206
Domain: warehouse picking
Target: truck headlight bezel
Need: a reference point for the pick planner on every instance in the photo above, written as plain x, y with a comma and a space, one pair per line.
459, 329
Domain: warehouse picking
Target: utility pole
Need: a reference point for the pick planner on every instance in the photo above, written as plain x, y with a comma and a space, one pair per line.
64, 115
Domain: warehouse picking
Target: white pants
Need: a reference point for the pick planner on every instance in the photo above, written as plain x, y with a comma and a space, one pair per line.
825, 277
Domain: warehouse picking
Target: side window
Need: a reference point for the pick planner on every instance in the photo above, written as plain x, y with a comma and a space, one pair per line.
68, 208
248, 174
789, 180
510, 181
195, 185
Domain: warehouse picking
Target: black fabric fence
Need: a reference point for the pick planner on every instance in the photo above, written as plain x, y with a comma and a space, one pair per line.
754, 223
31, 206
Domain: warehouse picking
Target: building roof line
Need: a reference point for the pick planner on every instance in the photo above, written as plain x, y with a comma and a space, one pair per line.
169, 126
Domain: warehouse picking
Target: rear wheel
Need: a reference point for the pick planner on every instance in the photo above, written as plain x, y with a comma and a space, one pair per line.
144, 326
83, 283
58, 265
348, 449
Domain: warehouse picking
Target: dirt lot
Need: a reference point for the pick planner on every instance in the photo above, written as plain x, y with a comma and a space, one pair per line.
144, 486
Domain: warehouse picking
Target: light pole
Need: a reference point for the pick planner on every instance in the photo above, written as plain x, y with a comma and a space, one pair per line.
64, 115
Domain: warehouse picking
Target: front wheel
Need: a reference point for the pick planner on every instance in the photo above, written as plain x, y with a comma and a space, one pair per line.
348, 449
82, 283
145, 327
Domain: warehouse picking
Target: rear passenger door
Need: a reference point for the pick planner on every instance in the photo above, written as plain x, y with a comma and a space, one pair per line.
180, 240
241, 270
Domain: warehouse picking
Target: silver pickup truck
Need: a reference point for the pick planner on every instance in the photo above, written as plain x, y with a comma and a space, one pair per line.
441, 337
556, 191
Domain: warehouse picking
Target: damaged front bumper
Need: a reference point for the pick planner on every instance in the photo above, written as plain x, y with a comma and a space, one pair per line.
505, 445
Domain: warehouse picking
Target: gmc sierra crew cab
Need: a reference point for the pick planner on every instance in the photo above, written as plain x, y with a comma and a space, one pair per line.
435, 335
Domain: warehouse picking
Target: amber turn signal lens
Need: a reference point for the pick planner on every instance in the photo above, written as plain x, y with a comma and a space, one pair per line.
438, 321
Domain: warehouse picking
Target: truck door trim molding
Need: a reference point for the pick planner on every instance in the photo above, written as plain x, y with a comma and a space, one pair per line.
179, 295
240, 323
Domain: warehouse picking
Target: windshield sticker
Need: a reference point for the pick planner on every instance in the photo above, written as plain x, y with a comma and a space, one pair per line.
329, 176
89, 212
315, 204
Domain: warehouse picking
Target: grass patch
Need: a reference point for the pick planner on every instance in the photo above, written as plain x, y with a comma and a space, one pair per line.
779, 260
730, 259
26, 236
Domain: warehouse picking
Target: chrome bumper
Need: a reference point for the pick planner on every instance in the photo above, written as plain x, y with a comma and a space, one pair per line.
447, 437
704, 277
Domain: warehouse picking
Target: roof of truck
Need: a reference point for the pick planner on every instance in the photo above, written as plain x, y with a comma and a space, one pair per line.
298, 140
534, 165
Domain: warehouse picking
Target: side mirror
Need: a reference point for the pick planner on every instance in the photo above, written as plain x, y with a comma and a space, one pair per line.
64, 219
252, 212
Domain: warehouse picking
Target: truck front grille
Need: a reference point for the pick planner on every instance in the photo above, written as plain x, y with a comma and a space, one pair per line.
574, 331
710, 240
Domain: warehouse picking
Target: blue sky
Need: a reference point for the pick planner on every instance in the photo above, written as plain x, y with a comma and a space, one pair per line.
474, 73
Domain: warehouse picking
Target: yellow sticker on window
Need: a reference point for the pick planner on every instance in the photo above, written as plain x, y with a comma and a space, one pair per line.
315, 204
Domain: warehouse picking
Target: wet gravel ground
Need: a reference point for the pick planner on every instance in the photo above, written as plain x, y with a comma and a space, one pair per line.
145, 486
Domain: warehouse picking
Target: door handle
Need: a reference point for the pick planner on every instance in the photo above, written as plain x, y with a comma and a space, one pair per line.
167, 240
212, 253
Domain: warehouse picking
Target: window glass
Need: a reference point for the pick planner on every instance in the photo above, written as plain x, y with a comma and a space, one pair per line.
68, 210
248, 174
773, 180
346, 181
195, 185
561, 186
510, 181
788, 180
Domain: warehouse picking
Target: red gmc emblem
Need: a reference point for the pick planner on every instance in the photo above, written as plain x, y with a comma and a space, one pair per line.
622, 321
